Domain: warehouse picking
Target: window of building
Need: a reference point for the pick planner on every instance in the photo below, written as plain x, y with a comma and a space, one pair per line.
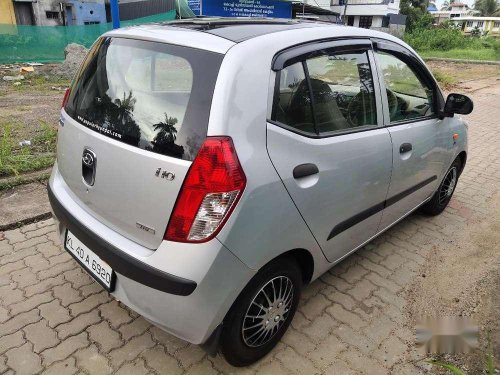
52, 15
385, 21
365, 22
453, 15
91, 23
496, 25
469, 24
480, 23
408, 95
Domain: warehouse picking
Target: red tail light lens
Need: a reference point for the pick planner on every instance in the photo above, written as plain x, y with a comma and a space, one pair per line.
211, 189
66, 97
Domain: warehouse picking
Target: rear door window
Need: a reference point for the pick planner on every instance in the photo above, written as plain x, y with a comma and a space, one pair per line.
343, 91
154, 96
293, 105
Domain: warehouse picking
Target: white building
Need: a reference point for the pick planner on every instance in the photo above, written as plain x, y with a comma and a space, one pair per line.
455, 10
487, 25
363, 13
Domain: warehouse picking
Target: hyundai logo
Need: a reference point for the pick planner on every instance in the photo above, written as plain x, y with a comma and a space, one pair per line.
89, 161
88, 158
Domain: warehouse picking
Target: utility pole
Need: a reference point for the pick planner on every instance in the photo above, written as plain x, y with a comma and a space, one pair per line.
344, 19
115, 13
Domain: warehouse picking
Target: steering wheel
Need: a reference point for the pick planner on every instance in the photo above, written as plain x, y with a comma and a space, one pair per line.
355, 105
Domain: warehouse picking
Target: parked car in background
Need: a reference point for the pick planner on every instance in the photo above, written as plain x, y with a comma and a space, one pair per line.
208, 169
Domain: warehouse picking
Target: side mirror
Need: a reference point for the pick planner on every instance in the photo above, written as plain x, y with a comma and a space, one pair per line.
458, 103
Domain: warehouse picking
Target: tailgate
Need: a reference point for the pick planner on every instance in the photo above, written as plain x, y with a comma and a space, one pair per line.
135, 118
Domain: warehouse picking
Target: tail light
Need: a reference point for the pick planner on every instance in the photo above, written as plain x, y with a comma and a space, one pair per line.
66, 97
211, 189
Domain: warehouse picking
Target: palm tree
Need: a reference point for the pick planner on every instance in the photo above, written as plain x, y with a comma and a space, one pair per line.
167, 131
164, 140
487, 7
446, 5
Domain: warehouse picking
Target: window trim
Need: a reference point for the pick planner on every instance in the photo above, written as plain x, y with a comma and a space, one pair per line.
416, 65
300, 53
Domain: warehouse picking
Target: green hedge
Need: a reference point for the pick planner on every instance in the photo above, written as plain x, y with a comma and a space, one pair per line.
448, 38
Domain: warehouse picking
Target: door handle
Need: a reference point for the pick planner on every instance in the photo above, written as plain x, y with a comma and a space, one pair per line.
405, 147
304, 170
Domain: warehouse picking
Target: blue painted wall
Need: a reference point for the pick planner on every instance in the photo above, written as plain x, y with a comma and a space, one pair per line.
82, 12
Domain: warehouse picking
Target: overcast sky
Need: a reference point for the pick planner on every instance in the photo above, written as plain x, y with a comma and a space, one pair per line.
470, 3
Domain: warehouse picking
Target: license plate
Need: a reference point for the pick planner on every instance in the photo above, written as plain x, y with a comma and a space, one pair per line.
94, 265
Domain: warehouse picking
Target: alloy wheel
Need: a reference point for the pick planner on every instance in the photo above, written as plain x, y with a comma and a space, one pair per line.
448, 185
268, 311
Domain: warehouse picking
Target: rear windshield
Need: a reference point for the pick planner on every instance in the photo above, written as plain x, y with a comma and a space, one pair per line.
154, 96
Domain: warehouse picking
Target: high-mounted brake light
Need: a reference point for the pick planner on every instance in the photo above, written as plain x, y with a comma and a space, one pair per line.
211, 189
66, 97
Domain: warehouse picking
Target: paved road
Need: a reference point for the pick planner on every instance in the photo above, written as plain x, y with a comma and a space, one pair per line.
55, 319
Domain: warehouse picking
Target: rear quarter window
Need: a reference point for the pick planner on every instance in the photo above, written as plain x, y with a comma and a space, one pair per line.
151, 95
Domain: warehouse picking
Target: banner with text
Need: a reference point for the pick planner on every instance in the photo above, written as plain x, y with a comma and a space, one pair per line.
242, 8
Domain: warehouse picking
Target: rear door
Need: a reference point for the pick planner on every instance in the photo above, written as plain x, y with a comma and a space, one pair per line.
421, 141
135, 118
326, 141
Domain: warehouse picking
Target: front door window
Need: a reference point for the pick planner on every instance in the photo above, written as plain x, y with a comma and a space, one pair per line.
408, 95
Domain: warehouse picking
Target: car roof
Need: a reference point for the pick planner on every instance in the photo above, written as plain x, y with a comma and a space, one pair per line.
219, 34
240, 29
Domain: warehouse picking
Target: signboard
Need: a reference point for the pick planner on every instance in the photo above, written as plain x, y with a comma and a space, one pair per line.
195, 6
242, 8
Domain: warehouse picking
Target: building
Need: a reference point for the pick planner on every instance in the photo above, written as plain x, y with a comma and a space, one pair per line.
7, 15
455, 10
487, 25
378, 14
54, 12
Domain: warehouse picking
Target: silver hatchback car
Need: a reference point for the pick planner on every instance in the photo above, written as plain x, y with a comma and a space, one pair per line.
207, 169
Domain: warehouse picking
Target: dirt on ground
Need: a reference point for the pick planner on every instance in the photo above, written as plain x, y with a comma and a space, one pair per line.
460, 73
37, 98
463, 278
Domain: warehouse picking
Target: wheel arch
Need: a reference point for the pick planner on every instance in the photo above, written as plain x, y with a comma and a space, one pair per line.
463, 159
304, 260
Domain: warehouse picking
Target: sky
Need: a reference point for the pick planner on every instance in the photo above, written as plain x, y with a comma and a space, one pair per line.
470, 3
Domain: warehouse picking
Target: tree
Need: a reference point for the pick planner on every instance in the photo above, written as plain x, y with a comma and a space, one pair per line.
446, 5
487, 7
416, 14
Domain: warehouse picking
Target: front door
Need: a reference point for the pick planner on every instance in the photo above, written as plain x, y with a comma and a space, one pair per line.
326, 142
420, 139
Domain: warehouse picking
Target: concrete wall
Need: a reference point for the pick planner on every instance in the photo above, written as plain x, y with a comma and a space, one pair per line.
7, 15
85, 12
76, 12
39, 12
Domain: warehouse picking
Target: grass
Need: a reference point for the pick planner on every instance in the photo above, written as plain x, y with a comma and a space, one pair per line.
463, 54
15, 159
443, 78
40, 82
9, 183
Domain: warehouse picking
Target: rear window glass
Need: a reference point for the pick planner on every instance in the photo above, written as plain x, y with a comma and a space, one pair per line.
154, 96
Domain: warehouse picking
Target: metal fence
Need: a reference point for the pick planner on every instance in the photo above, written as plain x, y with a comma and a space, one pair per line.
23, 43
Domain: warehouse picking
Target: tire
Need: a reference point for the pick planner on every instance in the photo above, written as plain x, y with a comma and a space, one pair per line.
442, 196
244, 339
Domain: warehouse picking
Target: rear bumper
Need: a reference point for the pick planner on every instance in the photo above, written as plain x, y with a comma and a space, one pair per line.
185, 289
120, 261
